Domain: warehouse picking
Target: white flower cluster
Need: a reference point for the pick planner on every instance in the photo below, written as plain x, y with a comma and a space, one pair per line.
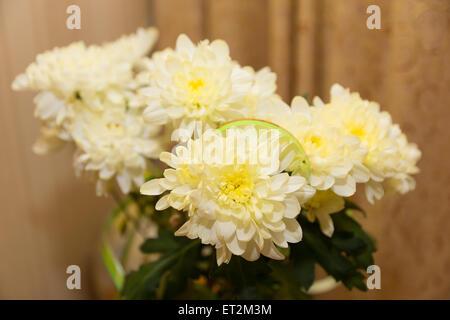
242, 208
112, 101
347, 141
88, 95
201, 84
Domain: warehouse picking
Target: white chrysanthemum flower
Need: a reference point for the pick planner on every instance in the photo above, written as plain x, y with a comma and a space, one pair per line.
116, 144
200, 83
401, 181
91, 74
77, 67
335, 158
321, 206
262, 91
243, 207
54, 115
389, 155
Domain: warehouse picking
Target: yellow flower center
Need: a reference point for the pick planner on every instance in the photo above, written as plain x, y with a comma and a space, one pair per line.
316, 140
357, 131
236, 186
196, 84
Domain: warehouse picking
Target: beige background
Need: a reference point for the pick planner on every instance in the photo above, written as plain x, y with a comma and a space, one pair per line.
50, 219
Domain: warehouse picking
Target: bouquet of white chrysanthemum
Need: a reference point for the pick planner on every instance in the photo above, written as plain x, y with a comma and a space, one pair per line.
191, 133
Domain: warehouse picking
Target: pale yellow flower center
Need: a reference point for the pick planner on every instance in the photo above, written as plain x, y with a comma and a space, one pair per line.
356, 131
196, 87
316, 140
236, 186
196, 84
115, 128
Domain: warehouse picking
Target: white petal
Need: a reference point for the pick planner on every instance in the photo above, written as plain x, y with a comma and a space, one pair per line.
246, 233
156, 116
305, 193
326, 224
294, 183
300, 105
374, 190
169, 159
279, 239
236, 247
251, 252
293, 232
124, 181
152, 188
337, 90
185, 44
226, 229
292, 207
162, 203
184, 229
223, 255
270, 251
345, 187
278, 181
220, 48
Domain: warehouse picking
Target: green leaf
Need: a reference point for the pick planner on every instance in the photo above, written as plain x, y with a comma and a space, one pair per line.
330, 257
179, 274
344, 223
164, 243
288, 287
346, 242
248, 280
143, 284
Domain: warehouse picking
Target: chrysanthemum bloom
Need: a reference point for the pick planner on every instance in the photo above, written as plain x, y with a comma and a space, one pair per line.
200, 83
241, 207
115, 144
77, 67
390, 157
262, 91
321, 206
335, 158
64, 76
402, 181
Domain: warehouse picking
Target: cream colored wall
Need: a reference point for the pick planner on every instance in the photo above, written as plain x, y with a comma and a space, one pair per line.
50, 219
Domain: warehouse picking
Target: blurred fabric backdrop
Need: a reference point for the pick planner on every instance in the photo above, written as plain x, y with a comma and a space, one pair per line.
49, 219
